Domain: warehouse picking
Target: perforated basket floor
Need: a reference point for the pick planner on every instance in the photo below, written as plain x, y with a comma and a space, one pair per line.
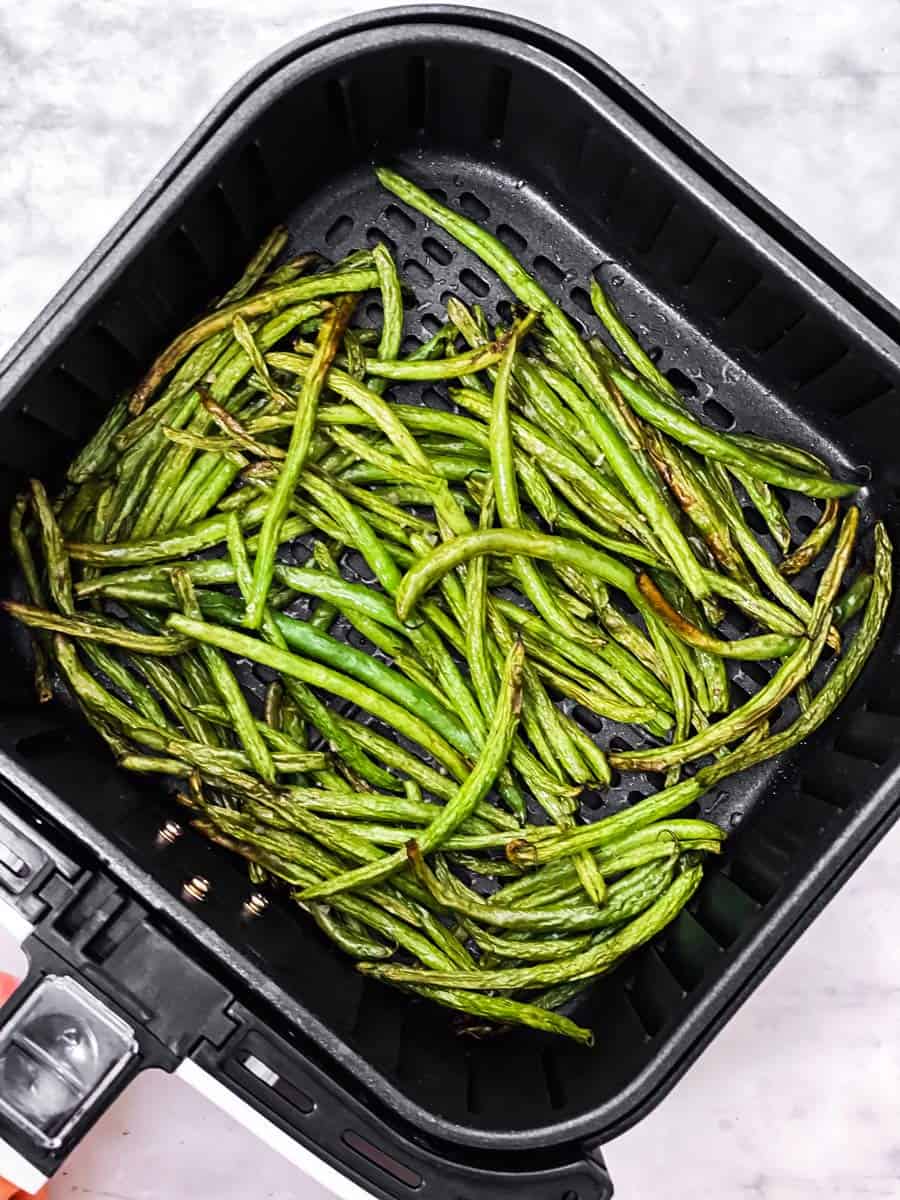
576, 174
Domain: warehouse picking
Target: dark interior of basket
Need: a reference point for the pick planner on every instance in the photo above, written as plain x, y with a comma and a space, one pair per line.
562, 181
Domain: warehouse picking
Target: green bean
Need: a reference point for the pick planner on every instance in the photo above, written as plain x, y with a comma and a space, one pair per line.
392, 307
614, 445
234, 430
813, 545
765, 569
768, 506
56, 558
532, 394
628, 343
852, 601
509, 542
457, 365
844, 672
394, 755
264, 562
475, 625
95, 629
227, 686
146, 764
794, 669
234, 767
268, 251
629, 649
273, 706
97, 455
589, 660
772, 616
118, 674
508, 507
570, 522
610, 848
317, 675
675, 469
772, 645
472, 791
386, 508
22, 550
237, 552
834, 572
792, 455
379, 806
172, 689
683, 428
273, 300
593, 961
527, 948
507, 1012
567, 464
356, 944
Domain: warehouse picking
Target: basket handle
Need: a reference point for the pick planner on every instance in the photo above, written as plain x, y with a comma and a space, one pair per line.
93, 947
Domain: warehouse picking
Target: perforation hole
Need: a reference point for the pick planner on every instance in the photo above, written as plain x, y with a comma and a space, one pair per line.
804, 524
431, 324
398, 219
718, 414
338, 229
473, 282
417, 274
548, 272
438, 194
437, 250
582, 300
474, 208
682, 382
754, 520
374, 235
512, 239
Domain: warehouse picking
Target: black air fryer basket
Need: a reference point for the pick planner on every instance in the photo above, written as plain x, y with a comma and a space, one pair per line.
762, 329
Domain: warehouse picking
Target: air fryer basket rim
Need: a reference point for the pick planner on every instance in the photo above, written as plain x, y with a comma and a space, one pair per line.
873, 321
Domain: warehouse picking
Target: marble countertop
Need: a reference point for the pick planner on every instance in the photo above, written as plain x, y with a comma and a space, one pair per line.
798, 1097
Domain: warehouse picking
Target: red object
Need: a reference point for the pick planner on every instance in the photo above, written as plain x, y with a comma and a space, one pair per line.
7, 1191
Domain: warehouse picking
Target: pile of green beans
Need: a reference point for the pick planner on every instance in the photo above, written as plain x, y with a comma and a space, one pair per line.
563, 531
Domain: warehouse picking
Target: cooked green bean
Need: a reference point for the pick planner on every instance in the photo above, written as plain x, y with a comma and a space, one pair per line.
813, 545
614, 445
264, 562
474, 788
681, 426
852, 601
590, 962
95, 630
263, 302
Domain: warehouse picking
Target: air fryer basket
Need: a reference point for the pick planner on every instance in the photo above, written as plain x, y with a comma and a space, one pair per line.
574, 171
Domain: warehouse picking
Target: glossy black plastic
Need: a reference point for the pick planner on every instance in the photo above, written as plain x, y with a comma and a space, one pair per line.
576, 171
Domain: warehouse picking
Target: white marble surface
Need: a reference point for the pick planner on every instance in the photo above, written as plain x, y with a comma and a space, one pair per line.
798, 1098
